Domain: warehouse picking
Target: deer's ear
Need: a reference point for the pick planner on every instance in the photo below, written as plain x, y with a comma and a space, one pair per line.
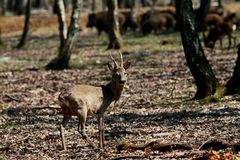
110, 67
126, 65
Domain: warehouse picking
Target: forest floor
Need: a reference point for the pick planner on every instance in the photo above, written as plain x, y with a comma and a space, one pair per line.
155, 105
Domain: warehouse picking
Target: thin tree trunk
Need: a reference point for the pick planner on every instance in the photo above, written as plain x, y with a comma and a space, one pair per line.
233, 85
19, 7
201, 14
115, 40
1, 41
94, 6
205, 80
62, 60
104, 4
220, 4
153, 4
133, 12
60, 9
145, 3
3, 7
23, 39
10, 5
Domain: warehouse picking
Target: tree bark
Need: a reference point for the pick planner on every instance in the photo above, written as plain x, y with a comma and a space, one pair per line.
23, 39
1, 41
115, 40
19, 7
3, 7
104, 4
220, 4
94, 6
201, 14
145, 3
133, 12
205, 80
60, 11
233, 84
62, 60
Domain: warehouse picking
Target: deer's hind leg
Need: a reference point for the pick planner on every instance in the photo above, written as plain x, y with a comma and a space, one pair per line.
81, 127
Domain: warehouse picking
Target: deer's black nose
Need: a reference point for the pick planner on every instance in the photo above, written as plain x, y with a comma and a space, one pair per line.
122, 81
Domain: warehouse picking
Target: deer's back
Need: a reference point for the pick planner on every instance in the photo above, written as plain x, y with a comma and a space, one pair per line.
81, 98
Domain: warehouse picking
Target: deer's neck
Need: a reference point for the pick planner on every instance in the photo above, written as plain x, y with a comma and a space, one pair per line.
113, 91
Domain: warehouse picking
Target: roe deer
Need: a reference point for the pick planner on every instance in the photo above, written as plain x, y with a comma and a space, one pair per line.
82, 100
225, 28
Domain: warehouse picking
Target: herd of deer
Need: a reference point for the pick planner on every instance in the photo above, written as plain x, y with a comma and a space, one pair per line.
219, 23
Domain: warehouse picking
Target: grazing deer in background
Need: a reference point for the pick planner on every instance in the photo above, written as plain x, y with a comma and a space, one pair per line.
82, 100
213, 20
225, 28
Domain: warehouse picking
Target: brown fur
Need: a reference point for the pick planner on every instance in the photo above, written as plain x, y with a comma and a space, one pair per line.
223, 12
101, 22
147, 14
82, 100
219, 31
129, 23
213, 19
161, 22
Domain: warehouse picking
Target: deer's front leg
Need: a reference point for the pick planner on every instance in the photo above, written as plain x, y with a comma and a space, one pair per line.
66, 118
101, 130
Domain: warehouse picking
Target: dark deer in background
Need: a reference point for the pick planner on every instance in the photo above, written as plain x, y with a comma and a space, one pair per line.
221, 30
82, 100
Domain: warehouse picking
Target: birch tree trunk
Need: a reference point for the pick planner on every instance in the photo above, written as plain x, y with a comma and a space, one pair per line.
205, 80
60, 11
23, 39
115, 40
63, 58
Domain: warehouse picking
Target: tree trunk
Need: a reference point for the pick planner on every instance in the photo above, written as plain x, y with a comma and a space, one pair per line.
201, 14
104, 4
60, 11
62, 60
19, 7
115, 40
10, 5
205, 80
23, 39
171, 3
220, 4
94, 6
145, 3
133, 12
1, 41
233, 85
153, 4
3, 7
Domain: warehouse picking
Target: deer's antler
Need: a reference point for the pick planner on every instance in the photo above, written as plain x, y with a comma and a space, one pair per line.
121, 57
113, 60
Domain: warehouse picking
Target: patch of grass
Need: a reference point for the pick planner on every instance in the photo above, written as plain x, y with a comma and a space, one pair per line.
93, 63
153, 42
9, 126
14, 64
